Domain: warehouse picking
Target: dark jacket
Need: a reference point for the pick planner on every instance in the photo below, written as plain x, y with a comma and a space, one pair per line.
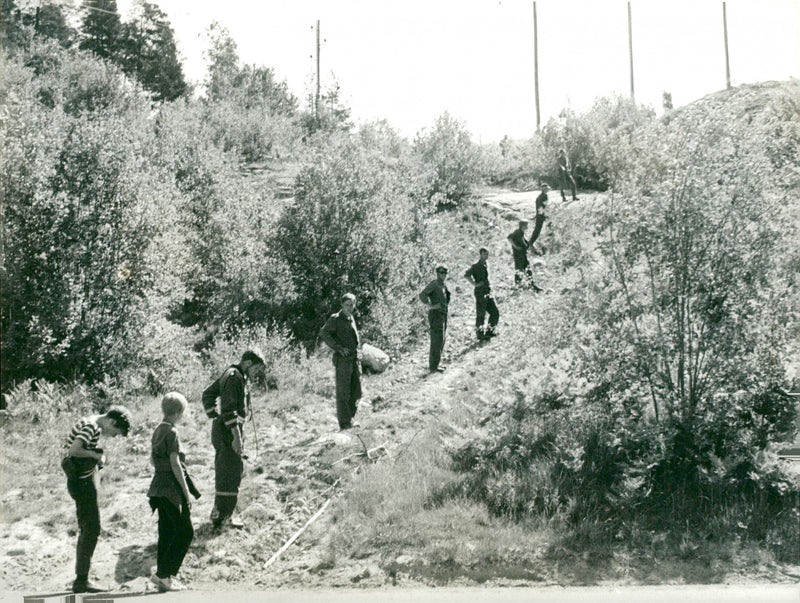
436, 293
231, 390
480, 274
341, 335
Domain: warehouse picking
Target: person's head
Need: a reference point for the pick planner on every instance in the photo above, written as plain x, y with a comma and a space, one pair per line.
523, 225
545, 188
441, 272
252, 362
116, 421
484, 253
173, 405
348, 303
561, 152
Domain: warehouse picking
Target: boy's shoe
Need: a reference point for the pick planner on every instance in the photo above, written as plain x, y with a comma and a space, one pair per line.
87, 586
163, 584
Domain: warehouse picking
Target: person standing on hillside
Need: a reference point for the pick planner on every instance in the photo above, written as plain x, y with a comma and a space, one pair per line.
436, 296
341, 335
541, 206
227, 434
478, 276
80, 462
565, 175
519, 249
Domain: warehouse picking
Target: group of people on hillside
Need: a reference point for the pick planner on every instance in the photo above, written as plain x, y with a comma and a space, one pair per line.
227, 402
341, 334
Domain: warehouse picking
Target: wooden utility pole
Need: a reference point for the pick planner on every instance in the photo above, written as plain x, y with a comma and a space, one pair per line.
316, 101
536, 65
727, 61
630, 49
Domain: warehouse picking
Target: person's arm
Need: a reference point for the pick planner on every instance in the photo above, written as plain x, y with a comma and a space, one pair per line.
425, 297
328, 335
468, 275
514, 244
78, 449
177, 471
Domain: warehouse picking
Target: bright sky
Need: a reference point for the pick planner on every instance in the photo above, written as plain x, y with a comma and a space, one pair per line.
410, 60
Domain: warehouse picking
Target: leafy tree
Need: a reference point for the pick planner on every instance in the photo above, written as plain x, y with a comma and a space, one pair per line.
332, 115
258, 89
697, 315
247, 109
19, 25
148, 52
451, 159
223, 62
84, 228
353, 226
597, 142
101, 28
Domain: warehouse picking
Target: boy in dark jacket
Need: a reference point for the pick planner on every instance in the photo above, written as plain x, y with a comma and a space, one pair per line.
227, 435
169, 494
82, 458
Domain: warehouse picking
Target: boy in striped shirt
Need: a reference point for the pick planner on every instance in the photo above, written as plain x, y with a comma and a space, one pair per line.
82, 458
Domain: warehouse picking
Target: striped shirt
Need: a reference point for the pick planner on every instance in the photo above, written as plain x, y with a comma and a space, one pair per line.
85, 430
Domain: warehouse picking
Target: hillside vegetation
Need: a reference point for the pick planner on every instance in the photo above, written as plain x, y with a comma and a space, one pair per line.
622, 427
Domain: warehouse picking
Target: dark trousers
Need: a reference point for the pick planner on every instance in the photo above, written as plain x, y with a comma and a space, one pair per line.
437, 320
348, 388
84, 493
228, 470
567, 181
175, 534
484, 302
521, 267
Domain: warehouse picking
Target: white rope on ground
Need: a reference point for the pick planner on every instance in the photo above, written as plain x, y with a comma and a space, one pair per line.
296, 535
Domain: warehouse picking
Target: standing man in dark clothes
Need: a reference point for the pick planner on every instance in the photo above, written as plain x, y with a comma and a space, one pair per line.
519, 249
437, 297
341, 335
82, 458
478, 276
541, 205
227, 433
565, 176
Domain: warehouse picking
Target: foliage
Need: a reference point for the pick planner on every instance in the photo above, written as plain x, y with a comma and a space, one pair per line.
101, 27
679, 333
599, 143
20, 24
523, 164
148, 53
79, 223
232, 278
328, 116
354, 225
450, 160
248, 111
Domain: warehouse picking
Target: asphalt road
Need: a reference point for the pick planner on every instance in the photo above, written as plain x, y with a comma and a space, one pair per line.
626, 594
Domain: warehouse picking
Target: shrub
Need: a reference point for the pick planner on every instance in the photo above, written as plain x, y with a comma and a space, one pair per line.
84, 214
450, 159
600, 143
354, 225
